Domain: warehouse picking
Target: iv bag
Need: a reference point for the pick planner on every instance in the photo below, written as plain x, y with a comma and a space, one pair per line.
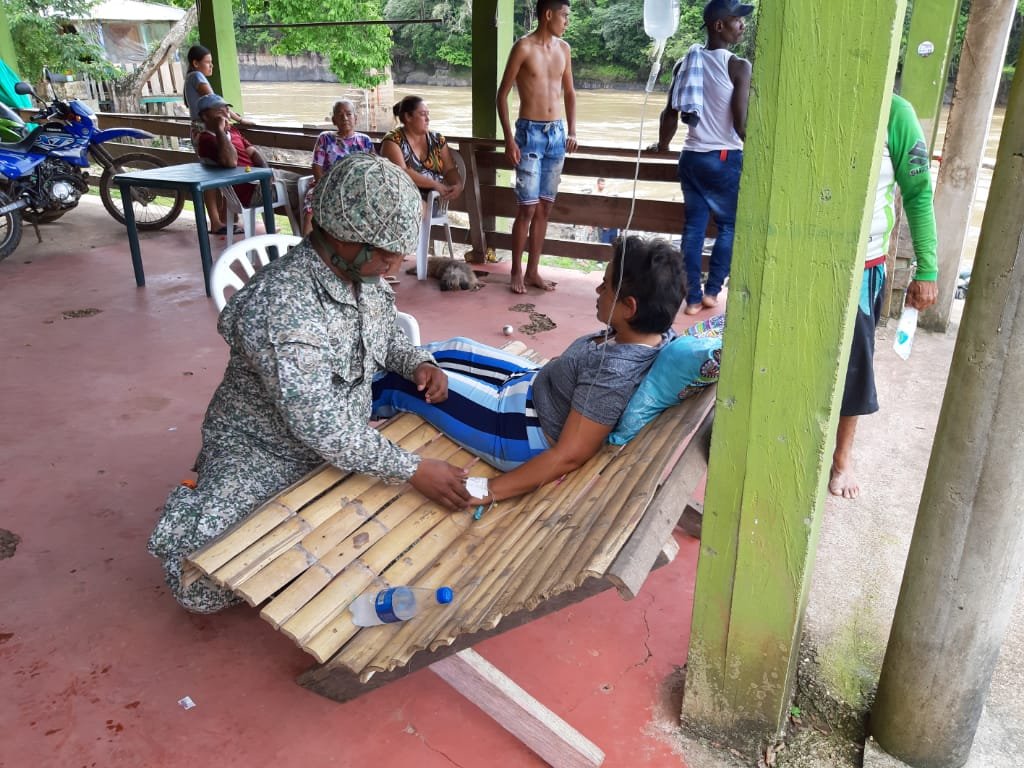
661, 18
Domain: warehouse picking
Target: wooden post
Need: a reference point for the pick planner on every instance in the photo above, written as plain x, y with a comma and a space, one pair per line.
812, 157
217, 32
977, 81
964, 569
492, 40
7, 51
923, 84
926, 65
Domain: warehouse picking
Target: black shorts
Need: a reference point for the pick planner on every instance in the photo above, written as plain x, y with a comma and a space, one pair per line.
860, 396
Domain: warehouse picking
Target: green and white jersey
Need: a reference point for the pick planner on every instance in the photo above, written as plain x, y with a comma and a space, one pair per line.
905, 162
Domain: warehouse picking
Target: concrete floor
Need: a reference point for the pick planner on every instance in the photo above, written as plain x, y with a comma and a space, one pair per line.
864, 545
102, 389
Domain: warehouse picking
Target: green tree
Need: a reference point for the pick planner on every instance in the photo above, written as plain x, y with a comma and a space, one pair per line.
359, 55
46, 37
449, 42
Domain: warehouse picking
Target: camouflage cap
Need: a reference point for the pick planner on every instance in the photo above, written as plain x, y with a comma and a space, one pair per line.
367, 199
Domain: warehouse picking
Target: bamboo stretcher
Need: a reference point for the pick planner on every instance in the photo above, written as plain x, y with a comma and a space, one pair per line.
309, 552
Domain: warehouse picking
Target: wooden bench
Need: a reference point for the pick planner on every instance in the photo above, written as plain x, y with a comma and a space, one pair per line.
309, 552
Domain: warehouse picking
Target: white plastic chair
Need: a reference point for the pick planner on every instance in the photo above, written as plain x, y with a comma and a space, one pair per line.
304, 183
248, 215
246, 255
252, 254
407, 323
435, 213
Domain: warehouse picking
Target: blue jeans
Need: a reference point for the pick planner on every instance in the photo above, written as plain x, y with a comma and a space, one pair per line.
711, 187
541, 156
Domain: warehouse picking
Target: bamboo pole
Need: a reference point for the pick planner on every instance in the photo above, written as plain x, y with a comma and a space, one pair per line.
405, 569
309, 619
217, 552
330, 565
685, 423
337, 557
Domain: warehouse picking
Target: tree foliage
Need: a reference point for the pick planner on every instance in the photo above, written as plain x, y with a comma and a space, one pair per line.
45, 37
447, 43
359, 55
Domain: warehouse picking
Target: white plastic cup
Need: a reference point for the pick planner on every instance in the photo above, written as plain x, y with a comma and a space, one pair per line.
905, 332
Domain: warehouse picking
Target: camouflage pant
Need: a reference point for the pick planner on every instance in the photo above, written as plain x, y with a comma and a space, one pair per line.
231, 484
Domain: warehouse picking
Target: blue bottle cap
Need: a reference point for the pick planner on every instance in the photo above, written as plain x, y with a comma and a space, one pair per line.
445, 595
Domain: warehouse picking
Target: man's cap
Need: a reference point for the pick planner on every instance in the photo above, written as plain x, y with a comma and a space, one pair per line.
719, 10
210, 101
367, 199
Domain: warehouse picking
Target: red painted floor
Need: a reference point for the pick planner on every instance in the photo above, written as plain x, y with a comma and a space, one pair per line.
100, 416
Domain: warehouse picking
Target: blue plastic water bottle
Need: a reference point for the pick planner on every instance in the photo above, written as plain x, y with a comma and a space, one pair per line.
396, 604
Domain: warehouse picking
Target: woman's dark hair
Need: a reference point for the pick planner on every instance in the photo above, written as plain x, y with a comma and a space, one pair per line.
196, 53
405, 107
653, 273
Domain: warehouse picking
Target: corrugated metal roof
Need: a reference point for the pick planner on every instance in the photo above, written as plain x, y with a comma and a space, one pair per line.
133, 10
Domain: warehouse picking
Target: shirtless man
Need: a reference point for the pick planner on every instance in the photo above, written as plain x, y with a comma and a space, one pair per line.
540, 65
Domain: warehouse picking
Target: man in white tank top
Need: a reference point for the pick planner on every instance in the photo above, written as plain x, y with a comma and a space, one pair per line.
710, 89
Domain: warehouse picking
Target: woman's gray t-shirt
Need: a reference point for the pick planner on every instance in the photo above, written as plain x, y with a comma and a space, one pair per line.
595, 379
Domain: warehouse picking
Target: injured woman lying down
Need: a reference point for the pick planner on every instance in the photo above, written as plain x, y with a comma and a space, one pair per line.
537, 423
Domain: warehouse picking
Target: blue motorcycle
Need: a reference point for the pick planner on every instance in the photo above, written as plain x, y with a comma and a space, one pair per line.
45, 172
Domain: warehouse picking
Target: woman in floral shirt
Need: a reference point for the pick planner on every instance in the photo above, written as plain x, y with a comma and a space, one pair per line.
420, 152
330, 147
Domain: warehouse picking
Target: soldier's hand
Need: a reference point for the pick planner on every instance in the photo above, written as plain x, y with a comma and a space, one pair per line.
442, 482
432, 382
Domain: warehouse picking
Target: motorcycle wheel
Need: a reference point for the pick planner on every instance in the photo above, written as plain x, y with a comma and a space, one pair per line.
153, 208
10, 229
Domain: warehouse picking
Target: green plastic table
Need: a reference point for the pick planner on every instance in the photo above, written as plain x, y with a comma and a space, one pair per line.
193, 179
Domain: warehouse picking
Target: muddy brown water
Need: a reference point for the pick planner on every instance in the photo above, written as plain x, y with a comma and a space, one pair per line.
605, 118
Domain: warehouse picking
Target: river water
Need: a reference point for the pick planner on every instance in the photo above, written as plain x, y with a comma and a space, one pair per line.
604, 118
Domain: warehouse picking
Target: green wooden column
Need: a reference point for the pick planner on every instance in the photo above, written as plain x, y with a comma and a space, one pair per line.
819, 101
926, 64
217, 32
7, 52
492, 40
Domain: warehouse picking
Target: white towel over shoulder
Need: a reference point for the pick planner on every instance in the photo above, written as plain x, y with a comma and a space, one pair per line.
688, 85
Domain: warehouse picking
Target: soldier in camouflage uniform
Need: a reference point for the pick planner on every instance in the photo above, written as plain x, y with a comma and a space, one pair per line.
307, 334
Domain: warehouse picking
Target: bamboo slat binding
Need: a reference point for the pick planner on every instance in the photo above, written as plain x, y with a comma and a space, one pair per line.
320, 544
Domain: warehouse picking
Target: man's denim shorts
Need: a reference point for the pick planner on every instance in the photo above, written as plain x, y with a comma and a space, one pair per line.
542, 154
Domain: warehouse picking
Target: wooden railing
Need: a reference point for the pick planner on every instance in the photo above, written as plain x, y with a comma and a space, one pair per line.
484, 200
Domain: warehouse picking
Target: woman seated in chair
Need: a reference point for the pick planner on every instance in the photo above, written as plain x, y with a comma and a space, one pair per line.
330, 147
539, 423
422, 153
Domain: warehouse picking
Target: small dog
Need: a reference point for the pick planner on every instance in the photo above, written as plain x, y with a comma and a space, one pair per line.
452, 275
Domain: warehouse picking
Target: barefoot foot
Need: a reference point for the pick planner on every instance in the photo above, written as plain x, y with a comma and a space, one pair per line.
518, 286
709, 301
694, 309
842, 483
534, 279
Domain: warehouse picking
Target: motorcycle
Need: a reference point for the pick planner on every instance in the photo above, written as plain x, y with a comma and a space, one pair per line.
44, 174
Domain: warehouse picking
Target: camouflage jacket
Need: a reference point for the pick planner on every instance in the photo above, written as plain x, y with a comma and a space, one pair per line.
304, 349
